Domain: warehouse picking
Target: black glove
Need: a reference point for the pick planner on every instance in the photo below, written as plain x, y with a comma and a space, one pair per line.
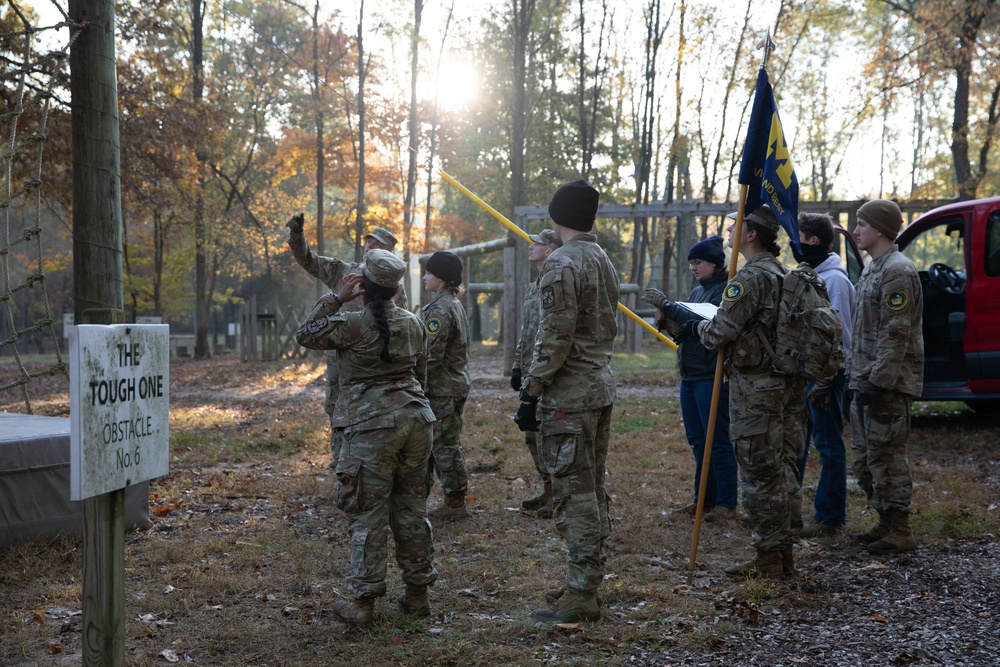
515, 379
819, 397
867, 393
525, 417
655, 297
686, 330
296, 222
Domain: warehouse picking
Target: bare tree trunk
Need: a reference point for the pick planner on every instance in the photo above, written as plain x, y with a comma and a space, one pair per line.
643, 167
587, 121
522, 11
730, 86
320, 120
359, 224
409, 201
201, 347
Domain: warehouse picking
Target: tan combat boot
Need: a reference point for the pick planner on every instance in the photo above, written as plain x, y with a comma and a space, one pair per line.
453, 507
718, 514
764, 564
414, 601
539, 501
359, 612
874, 534
553, 594
572, 606
900, 537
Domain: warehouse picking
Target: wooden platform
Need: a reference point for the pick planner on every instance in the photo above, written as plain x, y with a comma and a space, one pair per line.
34, 482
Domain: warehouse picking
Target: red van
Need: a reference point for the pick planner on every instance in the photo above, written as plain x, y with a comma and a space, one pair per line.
956, 249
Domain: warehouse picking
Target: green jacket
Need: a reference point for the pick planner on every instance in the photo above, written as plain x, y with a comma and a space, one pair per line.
369, 386
448, 340
578, 301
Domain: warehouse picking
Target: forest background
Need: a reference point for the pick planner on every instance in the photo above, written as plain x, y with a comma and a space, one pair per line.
235, 115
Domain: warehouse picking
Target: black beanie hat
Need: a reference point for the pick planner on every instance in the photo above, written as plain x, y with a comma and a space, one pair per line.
447, 266
709, 250
574, 205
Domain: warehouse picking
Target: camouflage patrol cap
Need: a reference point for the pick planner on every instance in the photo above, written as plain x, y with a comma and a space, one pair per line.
764, 217
546, 237
383, 268
383, 236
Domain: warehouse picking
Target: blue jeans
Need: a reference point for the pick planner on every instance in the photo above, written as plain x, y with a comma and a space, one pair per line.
826, 431
696, 401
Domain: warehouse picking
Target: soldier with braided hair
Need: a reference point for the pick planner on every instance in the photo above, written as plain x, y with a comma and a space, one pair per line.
382, 470
333, 272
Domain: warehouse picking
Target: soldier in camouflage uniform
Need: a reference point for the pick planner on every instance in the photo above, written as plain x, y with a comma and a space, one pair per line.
448, 341
766, 410
332, 273
570, 389
543, 245
886, 372
382, 470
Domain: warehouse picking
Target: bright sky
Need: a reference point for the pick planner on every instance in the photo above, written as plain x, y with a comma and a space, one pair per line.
457, 78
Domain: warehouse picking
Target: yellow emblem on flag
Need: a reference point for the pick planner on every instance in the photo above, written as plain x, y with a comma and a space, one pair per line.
433, 326
733, 292
896, 300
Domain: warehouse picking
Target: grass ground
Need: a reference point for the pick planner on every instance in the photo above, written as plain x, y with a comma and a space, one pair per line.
247, 553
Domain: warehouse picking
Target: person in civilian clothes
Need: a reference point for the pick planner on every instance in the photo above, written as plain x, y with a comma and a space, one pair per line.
448, 343
382, 470
826, 397
543, 244
696, 363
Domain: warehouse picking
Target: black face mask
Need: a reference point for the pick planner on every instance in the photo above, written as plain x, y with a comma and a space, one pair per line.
813, 255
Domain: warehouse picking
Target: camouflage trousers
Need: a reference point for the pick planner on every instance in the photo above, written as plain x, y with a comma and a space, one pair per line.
532, 441
381, 486
878, 450
447, 459
332, 394
574, 447
767, 425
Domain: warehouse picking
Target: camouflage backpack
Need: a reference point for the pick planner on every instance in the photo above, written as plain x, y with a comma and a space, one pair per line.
809, 340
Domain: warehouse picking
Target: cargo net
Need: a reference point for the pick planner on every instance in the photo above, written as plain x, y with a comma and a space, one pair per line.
30, 75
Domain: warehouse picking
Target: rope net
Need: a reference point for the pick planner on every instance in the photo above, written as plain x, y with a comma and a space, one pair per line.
29, 78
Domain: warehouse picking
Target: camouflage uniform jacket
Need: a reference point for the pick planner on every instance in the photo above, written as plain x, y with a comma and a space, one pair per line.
529, 326
331, 271
447, 330
887, 347
370, 387
578, 301
749, 304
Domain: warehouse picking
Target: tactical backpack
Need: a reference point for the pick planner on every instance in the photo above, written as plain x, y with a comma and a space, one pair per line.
809, 341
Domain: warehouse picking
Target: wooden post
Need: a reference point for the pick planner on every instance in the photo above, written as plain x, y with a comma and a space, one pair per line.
98, 295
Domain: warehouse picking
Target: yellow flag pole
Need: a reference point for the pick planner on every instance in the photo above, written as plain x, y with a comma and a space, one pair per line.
524, 235
713, 412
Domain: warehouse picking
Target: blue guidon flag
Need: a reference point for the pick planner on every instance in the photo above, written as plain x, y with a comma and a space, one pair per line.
767, 165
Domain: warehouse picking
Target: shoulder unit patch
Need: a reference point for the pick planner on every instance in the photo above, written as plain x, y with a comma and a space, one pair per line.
896, 300
734, 291
433, 326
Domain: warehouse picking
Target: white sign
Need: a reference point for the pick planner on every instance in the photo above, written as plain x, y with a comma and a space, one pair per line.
148, 319
119, 406
67, 324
